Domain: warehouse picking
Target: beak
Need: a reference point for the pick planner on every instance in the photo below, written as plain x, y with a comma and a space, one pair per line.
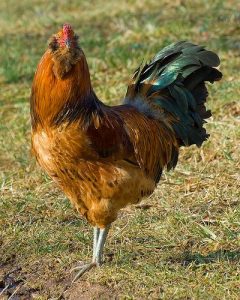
68, 43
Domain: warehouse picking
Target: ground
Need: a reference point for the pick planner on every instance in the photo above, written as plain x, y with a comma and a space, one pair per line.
183, 242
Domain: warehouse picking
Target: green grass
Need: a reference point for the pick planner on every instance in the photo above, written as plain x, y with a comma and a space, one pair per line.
186, 244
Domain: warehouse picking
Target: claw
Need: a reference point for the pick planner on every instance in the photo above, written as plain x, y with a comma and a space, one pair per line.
82, 270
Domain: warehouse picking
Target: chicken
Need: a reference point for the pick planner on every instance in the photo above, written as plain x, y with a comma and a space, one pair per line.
104, 158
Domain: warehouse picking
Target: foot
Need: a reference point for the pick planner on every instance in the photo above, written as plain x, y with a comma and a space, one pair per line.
98, 244
82, 270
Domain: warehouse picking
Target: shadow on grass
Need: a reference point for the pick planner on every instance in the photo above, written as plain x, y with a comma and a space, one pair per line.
212, 257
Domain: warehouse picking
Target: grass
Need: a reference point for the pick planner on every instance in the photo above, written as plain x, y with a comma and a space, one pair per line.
185, 244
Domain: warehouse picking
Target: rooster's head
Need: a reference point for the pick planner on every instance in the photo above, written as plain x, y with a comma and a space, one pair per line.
64, 39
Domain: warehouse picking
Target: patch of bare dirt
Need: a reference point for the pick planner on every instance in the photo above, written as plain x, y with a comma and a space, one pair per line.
86, 291
26, 283
13, 284
17, 284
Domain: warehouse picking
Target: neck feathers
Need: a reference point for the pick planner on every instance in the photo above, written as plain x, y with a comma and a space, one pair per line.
60, 88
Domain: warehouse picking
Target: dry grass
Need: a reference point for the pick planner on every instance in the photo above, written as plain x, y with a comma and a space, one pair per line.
185, 244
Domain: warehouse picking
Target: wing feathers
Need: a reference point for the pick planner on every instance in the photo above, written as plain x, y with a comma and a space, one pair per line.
154, 143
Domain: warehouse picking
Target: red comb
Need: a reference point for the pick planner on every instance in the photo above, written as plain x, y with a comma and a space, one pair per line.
67, 28
66, 36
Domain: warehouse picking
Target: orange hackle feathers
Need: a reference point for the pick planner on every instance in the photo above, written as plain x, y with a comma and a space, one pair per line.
53, 86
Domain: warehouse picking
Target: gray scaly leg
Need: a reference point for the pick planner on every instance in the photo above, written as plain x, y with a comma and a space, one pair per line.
96, 231
100, 245
99, 239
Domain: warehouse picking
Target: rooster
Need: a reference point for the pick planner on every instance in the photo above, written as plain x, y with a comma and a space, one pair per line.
106, 157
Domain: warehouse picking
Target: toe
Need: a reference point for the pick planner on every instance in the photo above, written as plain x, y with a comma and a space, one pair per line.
82, 269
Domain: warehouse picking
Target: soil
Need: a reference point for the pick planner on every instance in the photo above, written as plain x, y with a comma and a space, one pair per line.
16, 284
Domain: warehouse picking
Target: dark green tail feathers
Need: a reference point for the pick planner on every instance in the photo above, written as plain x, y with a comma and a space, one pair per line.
174, 81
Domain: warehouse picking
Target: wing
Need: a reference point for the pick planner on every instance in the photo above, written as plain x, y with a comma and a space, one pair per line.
123, 133
108, 136
153, 142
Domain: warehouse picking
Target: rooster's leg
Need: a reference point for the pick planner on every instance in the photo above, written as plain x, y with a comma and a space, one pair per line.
103, 232
96, 231
99, 239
